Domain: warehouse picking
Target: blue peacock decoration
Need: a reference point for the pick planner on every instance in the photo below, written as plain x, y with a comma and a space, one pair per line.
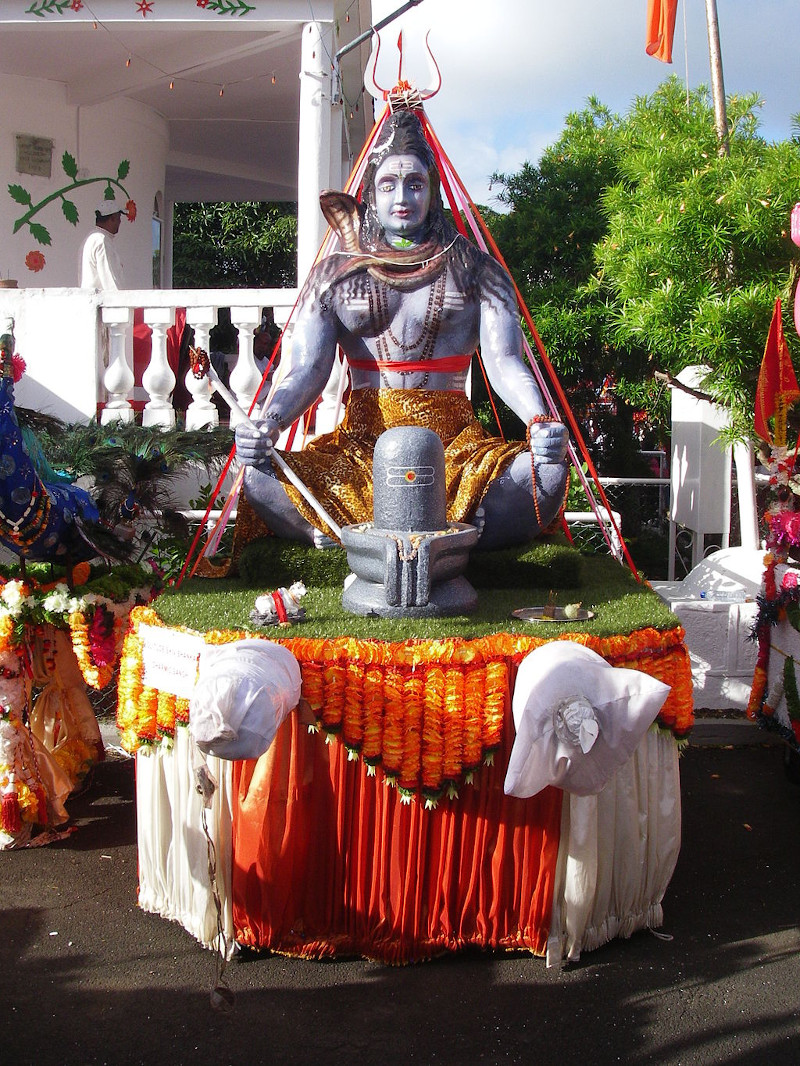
39, 521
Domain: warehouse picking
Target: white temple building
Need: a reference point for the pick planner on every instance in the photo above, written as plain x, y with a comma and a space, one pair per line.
165, 101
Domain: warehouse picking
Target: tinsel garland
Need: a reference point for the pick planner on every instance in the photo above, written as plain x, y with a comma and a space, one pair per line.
790, 689
430, 713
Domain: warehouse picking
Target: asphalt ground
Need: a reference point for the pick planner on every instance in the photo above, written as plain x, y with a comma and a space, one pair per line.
86, 977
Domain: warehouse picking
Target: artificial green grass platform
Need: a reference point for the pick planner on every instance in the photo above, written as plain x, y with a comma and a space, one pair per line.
505, 580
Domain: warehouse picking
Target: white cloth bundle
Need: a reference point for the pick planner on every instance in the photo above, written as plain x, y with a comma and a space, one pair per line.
578, 719
244, 691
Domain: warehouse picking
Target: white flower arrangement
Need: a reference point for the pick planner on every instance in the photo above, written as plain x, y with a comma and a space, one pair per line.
15, 598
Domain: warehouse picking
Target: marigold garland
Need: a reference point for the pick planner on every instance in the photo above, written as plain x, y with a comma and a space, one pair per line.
475, 710
393, 714
373, 708
352, 718
411, 764
433, 734
453, 701
95, 674
429, 712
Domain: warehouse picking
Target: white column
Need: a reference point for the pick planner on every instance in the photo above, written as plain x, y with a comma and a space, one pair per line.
118, 378
201, 411
314, 156
746, 491
158, 380
245, 376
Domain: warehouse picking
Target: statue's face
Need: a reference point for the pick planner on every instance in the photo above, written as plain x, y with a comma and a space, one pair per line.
402, 197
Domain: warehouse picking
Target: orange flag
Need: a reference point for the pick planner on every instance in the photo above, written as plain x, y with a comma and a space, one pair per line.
776, 378
661, 28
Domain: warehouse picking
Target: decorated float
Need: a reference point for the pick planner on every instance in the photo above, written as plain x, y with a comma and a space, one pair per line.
412, 747
321, 773
57, 643
62, 617
774, 698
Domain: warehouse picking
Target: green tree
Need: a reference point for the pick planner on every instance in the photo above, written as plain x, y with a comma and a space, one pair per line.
234, 245
547, 239
697, 247
641, 247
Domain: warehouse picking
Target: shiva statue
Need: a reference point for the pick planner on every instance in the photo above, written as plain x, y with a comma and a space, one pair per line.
407, 299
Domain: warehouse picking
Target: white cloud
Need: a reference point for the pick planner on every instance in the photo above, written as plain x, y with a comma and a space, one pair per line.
513, 69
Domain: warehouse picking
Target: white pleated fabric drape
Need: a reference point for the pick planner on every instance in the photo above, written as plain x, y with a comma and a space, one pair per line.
174, 876
618, 852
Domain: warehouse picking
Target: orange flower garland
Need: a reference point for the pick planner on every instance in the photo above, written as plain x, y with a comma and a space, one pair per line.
429, 712
474, 710
166, 705
97, 676
453, 700
413, 699
129, 687
433, 735
393, 714
352, 720
373, 709
333, 678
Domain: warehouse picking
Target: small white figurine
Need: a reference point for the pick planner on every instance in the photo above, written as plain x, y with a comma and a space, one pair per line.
281, 607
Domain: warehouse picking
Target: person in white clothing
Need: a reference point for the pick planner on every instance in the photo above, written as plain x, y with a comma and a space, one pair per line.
101, 266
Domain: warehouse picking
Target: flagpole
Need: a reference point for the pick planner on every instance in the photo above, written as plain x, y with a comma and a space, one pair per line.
717, 83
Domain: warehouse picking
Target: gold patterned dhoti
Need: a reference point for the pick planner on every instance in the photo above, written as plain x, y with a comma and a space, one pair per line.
337, 466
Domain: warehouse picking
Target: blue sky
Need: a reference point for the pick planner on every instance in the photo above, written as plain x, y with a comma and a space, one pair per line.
513, 69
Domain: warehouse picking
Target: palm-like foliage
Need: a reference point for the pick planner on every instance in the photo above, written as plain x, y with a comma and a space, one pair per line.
133, 471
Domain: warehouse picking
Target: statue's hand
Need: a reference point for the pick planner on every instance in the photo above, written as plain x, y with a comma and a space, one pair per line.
548, 441
254, 448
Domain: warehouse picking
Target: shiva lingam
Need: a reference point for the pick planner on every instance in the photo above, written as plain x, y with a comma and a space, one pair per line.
409, 561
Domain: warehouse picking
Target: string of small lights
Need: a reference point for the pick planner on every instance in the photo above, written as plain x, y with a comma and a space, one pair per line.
177, 77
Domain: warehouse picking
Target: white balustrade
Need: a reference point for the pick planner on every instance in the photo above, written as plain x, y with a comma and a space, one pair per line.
118, 378
201, 411
245, 377
158, 379
97, 345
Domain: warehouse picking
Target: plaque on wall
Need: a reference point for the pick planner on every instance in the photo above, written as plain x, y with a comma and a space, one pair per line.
34, 155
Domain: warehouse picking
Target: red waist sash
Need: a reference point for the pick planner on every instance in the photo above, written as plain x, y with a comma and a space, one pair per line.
451, 364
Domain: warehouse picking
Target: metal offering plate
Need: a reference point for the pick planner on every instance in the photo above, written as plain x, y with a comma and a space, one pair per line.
551, 614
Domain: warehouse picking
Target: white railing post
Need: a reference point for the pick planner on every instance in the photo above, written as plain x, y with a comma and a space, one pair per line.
201, 412
118, 378
158, 380
245, 376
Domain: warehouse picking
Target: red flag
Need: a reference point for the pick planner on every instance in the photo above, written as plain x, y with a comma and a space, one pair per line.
661, 28
776, 377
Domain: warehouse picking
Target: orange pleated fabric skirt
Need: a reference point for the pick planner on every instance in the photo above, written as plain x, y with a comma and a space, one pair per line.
328, 860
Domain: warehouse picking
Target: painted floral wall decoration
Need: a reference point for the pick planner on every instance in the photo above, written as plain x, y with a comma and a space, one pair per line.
43, 8
35, 260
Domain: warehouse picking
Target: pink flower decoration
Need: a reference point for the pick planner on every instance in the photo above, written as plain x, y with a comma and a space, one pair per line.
789, 580
17, 367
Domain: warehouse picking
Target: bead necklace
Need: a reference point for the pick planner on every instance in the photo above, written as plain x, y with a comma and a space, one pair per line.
25, 535
379, 319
